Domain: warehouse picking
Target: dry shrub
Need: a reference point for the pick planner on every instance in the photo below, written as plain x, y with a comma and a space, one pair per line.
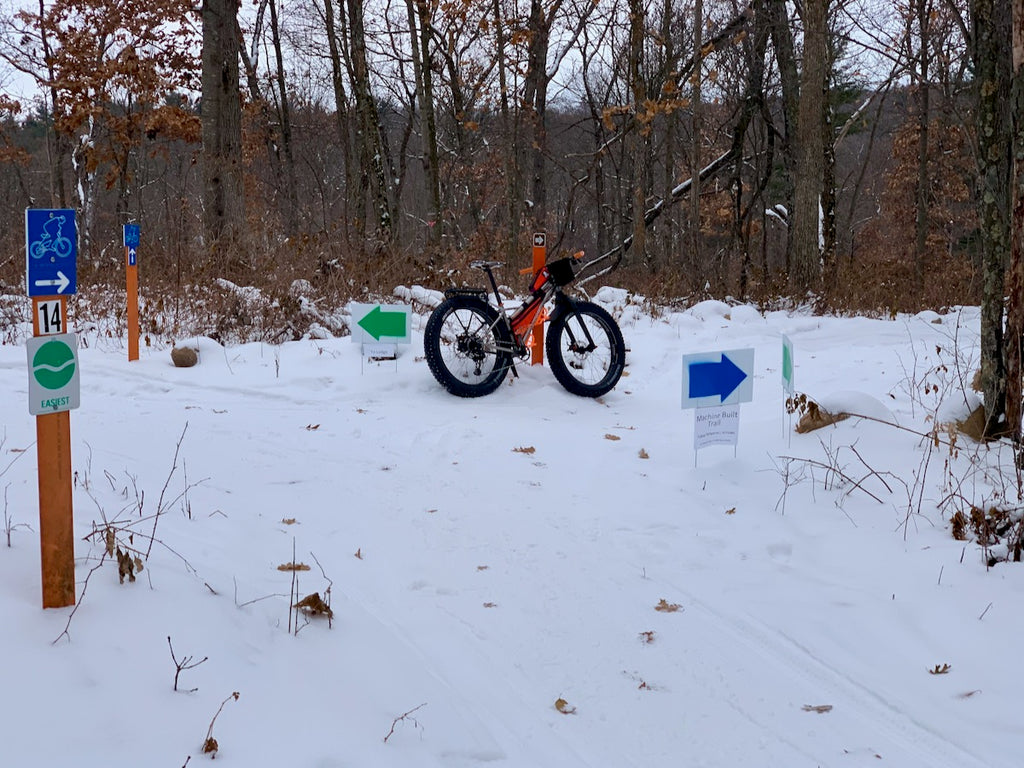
886, 283
816, 417
812, 415
314, 605
999, 531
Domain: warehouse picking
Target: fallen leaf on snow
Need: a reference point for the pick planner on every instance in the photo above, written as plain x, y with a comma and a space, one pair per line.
563, 706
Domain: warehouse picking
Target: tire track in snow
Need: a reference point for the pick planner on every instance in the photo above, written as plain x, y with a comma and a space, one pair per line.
891, 725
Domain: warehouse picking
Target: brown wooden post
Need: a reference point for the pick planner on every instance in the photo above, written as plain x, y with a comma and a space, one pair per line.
56, 518
131, 271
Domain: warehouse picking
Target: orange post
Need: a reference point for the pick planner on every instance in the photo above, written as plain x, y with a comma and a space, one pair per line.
132, 279
131, 271
540, 256
56, 518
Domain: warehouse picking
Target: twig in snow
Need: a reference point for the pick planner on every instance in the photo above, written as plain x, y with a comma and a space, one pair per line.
402, 717
185, 663
81, 597
210, 746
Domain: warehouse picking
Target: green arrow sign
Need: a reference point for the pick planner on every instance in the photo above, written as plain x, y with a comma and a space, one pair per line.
787, 364
379, 322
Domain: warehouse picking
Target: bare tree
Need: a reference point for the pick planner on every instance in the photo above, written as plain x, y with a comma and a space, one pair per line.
805, 218
1015, 312
373, 156
420, 28
223, 194
992, 57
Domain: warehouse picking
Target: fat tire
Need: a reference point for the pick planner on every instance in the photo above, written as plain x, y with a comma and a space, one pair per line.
477, 321
569, 367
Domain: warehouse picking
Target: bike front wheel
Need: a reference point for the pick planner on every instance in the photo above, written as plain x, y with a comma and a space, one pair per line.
585, 350
62, 247
466, 345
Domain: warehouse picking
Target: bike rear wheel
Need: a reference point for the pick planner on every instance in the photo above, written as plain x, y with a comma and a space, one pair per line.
585, 350
466, 346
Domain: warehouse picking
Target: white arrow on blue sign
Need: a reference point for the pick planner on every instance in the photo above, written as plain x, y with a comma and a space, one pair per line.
718, 378
51, 250
132, 237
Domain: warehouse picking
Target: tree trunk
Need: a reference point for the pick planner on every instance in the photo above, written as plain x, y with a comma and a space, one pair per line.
291, 214
419, 33
509, 161
782, 41
637, 139
755, 47
829, 233
923, 116
341, 106
805, 218
992, 56
695, 239
373, 161
223, 200
668, 228
1015, 312
61, 149
535, 98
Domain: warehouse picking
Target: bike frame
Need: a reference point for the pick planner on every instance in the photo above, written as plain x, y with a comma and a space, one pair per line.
531, 313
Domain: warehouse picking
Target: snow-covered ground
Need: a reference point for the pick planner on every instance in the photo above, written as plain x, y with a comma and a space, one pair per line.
527, 579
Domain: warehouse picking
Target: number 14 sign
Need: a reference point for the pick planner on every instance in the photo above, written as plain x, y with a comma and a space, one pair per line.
50, 316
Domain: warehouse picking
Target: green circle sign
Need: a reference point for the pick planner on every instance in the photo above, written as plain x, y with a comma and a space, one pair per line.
53, 365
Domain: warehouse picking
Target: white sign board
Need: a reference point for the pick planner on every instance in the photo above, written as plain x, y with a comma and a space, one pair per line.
50, 317
374, 352
717, 425
388, 323
718, 378
52, 374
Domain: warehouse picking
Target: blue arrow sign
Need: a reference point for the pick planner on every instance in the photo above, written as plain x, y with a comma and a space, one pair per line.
718, 378
715, 379
51, 250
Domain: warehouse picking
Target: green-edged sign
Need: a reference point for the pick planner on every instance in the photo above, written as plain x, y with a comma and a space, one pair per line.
390, 323
787, 364
53, 374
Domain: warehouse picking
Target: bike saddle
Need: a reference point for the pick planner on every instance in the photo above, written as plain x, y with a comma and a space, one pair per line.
485, 265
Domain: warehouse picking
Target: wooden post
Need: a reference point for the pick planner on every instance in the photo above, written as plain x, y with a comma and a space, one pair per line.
56, 518
540, 257
131, 271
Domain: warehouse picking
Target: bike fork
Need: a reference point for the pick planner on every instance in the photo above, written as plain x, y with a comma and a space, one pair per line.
569, 309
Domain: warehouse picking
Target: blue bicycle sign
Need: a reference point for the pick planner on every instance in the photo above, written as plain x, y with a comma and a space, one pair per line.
52, 239
50, 247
